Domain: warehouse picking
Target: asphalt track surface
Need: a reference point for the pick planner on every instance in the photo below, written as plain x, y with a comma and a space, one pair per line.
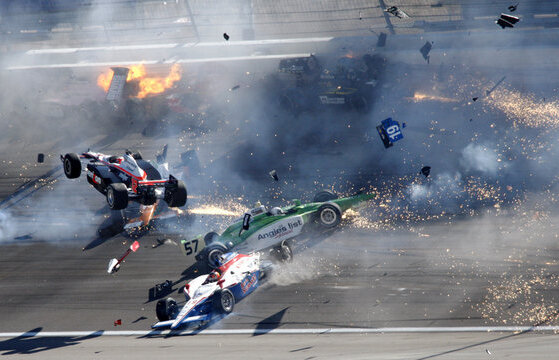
436, 277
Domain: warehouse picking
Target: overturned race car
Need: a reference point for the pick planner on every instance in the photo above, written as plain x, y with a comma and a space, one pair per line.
214, 294
125, 178
261, 229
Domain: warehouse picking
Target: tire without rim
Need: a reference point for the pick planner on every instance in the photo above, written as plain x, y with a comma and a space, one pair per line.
329, 215
166, 309
225, 301
72, 166
117, 196
285, 253
210, 237
325, 195
176, 197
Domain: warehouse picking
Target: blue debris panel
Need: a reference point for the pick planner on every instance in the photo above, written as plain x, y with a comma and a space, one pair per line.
389, 132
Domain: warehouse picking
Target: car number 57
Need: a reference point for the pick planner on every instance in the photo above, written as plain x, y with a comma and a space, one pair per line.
191, 247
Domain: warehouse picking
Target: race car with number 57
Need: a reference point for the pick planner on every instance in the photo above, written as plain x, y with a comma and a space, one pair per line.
260, 228
126, 178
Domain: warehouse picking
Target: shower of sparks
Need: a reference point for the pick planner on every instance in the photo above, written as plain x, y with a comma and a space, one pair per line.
417, 97
520, 299
213, 210
525, 109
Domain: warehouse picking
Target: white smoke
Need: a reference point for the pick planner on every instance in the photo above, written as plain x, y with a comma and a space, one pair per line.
480, 158
7, 229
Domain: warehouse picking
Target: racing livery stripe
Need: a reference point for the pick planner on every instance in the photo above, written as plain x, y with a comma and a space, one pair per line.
123, 170
223, 268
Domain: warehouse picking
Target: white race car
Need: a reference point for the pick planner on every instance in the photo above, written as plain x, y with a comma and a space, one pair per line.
214, 293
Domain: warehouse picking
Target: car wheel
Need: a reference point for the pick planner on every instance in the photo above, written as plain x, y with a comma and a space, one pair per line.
214, 256
166, 309
176, 197
210, 237
329, 215
324, 195
117, 196
225, 301
72, 166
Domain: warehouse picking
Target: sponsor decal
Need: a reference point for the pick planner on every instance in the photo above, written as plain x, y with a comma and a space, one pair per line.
282, 229
248, 282
274, 233
332, 100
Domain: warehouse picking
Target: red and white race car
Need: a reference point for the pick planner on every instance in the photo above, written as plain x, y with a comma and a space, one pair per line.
126, 178
214, 294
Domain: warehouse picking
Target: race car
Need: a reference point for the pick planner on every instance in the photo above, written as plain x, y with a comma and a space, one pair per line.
216, 293
126, 178
390, 131
261, 229
348, 83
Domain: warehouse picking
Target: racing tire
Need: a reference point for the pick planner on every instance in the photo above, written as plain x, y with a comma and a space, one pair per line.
210, 237
166, 309
137, 155
214, 254
329, 215
177, 196
325, 195
117, 196
72, 165
284, 252
225, 301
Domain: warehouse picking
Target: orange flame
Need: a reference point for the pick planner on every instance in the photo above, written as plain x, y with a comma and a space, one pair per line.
147, 85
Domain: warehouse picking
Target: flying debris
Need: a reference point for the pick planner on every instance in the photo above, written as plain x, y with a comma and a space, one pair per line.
114, 264
190, 163
389, 132
396, 12
235, 87
487, 92
274, 175
40, 158
425, 49
426, 170
118, 322
507, 21
226, 37
512, 8
161, 157
165, 286
117, 84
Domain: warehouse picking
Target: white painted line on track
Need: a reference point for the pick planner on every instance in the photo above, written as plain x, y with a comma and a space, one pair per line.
393, 330
153, 62
174, 45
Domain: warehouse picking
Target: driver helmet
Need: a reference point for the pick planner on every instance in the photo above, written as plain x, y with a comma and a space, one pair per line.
214, 275
276, 210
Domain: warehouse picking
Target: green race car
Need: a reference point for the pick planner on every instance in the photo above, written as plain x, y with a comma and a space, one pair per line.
261, 229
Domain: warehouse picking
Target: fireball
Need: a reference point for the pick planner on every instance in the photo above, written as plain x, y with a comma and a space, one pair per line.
146, 85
